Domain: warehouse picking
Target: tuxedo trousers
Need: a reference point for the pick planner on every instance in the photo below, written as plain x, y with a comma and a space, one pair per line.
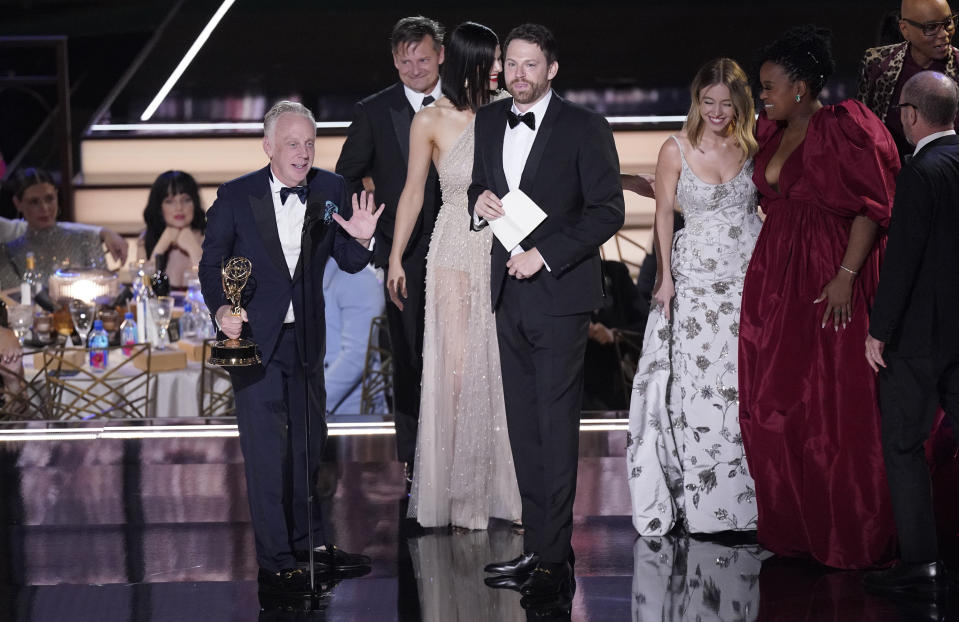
910, 391
406, 341
541, 356
270, 417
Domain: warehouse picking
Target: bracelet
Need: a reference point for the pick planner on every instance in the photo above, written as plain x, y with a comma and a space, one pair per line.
852, 272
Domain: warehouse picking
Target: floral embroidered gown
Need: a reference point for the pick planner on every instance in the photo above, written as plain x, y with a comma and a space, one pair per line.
685, 458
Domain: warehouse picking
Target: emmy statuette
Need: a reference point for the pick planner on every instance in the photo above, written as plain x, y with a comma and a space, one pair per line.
235, 352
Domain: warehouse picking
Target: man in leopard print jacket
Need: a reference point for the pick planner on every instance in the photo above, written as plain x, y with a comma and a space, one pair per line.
928, 27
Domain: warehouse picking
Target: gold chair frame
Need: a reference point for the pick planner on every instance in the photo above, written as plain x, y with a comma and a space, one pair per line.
23, 398
375, 381
214, 403
78, 393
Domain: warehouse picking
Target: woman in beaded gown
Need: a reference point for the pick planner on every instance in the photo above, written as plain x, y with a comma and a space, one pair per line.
463, 470
685, 458
53, 244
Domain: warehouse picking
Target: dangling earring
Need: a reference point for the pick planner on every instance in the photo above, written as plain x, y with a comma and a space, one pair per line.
798, 97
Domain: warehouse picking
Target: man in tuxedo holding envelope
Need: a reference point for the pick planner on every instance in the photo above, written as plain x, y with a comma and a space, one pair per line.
562, 157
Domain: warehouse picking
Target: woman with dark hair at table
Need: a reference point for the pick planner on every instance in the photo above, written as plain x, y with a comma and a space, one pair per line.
53, 244
175, 223
808, 408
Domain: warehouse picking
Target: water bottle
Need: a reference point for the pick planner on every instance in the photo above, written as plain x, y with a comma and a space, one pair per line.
128, 333
202, 322
187, 322
99, 342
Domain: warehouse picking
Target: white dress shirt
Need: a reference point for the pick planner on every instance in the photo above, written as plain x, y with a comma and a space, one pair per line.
517, 143
416, 98
289, 224
928, 139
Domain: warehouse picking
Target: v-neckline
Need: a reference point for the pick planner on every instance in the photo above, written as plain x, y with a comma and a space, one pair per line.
778, 187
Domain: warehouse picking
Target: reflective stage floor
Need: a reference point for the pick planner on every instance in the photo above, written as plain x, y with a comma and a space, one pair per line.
157, 529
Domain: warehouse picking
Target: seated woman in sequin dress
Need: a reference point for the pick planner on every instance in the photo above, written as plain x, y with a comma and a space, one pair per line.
175, 223
53, 244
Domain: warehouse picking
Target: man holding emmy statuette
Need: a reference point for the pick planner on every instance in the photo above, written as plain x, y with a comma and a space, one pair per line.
256, 229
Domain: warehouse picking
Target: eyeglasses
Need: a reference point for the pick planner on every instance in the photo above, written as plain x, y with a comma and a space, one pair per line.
904, 105
930, 29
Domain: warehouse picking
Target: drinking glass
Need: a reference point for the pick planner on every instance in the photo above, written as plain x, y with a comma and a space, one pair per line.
21, 319
161, 308
82, 315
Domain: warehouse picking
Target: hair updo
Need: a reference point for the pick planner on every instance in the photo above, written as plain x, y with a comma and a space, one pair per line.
805, 53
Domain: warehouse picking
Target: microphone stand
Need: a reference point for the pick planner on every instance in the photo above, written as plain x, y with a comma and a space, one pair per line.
306, 250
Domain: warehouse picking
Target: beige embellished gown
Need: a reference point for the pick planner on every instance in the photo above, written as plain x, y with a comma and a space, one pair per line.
463, 472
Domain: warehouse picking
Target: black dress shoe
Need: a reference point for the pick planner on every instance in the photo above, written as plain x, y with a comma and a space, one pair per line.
505, 582
548, 580
922, 578
522, 565
287, 582
555, 608
329, 557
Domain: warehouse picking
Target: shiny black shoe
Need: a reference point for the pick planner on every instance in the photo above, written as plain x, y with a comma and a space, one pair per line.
505, 582
548, 580
277, 600
555, 608
919, 578
331, 558
522, 565
287, 582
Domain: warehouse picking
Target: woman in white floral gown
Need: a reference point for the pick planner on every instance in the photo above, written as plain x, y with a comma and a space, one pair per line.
685, 458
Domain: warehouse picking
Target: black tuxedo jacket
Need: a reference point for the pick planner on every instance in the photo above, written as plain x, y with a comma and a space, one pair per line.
572, 173
242, 222
916, 312
378, 145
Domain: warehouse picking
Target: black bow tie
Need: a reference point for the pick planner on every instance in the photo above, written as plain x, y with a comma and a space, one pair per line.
429, 99
514, 119
301, 191
907, 158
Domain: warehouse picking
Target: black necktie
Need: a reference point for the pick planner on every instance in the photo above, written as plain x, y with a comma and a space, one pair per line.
514, 119
301, 191
907, 158
429, 99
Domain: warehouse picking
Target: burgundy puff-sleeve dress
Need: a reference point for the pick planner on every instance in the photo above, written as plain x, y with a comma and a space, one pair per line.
809, 412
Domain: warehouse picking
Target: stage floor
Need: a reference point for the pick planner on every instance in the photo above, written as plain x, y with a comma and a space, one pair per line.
158, 530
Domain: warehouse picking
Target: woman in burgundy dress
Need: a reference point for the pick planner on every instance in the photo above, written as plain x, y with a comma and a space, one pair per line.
808, 410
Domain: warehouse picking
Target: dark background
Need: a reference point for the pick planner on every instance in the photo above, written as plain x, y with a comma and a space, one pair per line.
621, 58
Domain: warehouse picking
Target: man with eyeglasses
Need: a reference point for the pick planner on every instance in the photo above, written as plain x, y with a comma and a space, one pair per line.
913, 341
927, 27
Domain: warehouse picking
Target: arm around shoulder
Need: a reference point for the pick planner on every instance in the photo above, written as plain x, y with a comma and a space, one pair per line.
604, 209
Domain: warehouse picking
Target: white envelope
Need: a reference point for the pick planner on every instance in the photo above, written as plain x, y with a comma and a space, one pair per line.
521, 216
